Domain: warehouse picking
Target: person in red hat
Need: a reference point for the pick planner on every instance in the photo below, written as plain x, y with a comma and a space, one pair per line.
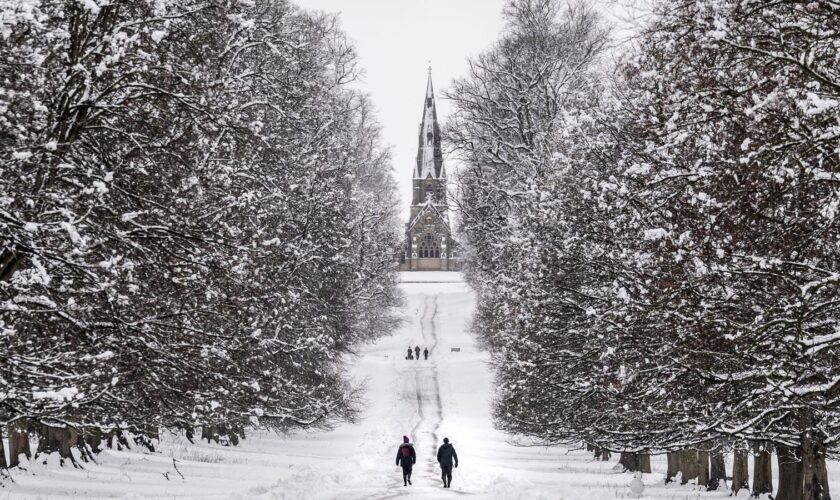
406, 458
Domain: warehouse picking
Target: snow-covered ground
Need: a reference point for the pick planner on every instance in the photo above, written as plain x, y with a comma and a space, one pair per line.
448, 395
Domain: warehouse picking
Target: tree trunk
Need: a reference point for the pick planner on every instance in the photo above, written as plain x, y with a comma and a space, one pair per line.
740, 471
18, 442
56, 439
122, 440
790, 473
94, 440
630, 461
9, 261
815, 484
3, 463
717, 472
762, 470
144, 441
48, 441
688, 465
703, 468
109, 439
644, 463
210, 433
673, 466
224, 431
85, 450
603, 454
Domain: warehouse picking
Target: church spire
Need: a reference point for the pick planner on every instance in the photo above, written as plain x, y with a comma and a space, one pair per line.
429, 154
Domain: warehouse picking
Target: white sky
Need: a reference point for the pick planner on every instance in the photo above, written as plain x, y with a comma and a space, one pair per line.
396, 39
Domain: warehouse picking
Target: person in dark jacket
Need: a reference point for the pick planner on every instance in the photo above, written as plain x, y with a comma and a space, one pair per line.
406, 459
417, 352
409, 354
426, 353
446, 454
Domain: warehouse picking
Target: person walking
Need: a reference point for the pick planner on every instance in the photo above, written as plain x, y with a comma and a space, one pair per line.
426, 353
409, 354
406, 458
417, 352
445, 456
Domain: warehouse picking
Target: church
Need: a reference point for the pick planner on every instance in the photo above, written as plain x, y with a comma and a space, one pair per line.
428, 239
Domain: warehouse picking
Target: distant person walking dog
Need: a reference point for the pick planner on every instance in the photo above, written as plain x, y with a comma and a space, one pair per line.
406, 459
445, 456
426, 353
410, 356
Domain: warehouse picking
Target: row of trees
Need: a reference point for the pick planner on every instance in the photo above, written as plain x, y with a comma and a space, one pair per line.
654, 238
196, 220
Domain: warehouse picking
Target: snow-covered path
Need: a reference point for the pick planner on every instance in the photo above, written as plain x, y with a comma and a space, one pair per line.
427, 392
447, 395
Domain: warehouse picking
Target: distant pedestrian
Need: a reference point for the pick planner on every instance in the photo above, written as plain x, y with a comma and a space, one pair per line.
410, 356
446, 454
406, 459
426, 353
417, 352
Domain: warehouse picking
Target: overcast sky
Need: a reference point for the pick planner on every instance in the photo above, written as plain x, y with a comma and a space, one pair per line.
396, 39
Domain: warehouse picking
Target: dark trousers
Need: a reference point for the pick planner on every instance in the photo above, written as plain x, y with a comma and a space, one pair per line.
446, 475
406, 474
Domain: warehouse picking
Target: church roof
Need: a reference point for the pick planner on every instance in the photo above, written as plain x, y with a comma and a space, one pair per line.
429, 208
429, 154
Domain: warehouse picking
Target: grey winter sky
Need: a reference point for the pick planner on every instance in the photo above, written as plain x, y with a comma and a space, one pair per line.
396, 39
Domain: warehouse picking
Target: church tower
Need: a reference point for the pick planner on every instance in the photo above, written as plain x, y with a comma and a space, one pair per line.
429, 245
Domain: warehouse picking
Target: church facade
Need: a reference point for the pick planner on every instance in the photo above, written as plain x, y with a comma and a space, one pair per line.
428, 238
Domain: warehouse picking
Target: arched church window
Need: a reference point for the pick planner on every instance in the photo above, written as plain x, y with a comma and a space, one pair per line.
429, 138
429, 247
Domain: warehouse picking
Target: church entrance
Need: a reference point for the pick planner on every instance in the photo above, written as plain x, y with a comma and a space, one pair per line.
428, 247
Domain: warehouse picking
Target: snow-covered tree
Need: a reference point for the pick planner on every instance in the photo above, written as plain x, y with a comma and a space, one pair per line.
186, 219
521, 198
666, 277
742, 131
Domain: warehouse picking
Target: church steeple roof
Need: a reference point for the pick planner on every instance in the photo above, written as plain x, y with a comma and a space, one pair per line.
429, 154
